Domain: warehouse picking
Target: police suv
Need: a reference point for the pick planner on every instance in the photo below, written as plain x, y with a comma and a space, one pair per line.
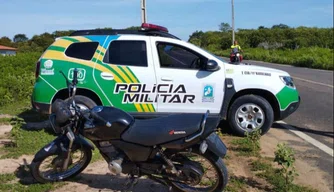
151, 73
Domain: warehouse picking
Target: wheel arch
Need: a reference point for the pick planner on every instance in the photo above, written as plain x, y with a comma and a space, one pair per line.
63, 94
270, 97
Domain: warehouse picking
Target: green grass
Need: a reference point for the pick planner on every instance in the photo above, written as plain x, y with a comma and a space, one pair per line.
236, 184
273, 176
7, 177
96, 156
243, 147
313, 57
25, 142
5, 121
7, 184
15, 108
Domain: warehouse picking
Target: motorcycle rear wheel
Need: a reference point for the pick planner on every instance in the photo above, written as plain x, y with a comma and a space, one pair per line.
57, 162
217, 164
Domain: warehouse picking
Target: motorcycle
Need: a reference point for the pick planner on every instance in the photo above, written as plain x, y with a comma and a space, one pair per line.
235, 56
164, 148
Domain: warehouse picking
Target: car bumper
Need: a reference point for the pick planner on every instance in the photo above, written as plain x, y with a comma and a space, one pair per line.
41, 107
290, 109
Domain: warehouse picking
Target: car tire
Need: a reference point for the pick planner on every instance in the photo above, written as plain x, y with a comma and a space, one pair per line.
247, 110
84, 102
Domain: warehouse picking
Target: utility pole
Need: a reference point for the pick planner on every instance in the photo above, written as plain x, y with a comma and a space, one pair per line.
233, 36
143, 11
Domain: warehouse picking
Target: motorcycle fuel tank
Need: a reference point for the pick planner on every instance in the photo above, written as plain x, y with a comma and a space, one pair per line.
120, 121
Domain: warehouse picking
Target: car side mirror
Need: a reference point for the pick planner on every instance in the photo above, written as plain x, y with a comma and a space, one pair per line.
212, 65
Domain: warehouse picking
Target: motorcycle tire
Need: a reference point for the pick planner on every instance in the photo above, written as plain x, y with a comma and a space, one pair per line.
217, 163
35, 168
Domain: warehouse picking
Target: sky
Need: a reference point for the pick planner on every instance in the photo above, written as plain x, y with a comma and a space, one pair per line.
181, 17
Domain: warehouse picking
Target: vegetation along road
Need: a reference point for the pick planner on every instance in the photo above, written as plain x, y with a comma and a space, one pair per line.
314, 118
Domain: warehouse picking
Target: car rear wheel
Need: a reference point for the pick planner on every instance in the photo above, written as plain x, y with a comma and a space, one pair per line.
249, 113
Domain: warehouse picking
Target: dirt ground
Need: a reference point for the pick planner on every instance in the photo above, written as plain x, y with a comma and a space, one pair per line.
96, 176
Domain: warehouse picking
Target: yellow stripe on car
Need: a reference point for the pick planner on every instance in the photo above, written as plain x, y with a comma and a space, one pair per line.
62, 43
56, 55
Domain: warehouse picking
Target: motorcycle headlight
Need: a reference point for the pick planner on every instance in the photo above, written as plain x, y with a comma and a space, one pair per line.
288, 81
60, 116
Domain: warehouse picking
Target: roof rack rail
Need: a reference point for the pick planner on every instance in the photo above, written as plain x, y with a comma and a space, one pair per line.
122, 32
146, 29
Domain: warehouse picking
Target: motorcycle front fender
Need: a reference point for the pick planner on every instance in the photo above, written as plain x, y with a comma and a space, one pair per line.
60, 146
216, 145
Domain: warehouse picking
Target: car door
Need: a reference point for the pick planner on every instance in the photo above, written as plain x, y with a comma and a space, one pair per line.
182, 84
130, 60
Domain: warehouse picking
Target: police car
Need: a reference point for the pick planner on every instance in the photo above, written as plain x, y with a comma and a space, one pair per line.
151, 73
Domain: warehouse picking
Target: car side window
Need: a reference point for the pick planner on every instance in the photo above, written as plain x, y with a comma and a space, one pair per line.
179, 57
127, 52
82, 50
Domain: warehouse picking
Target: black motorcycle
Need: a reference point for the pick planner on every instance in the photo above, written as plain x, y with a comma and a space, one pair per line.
165, 149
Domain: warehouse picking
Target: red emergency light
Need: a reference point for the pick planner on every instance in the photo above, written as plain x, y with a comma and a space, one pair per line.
152, 26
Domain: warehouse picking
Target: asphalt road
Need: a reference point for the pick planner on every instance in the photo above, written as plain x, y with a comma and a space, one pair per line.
315, 113
314, 117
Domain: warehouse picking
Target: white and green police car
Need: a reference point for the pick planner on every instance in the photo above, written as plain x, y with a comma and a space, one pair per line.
151, 73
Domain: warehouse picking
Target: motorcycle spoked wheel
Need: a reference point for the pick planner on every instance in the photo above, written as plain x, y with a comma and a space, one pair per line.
55, 162
212, 171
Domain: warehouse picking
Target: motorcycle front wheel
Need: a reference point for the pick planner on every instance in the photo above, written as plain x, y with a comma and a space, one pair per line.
215, 175
55, 164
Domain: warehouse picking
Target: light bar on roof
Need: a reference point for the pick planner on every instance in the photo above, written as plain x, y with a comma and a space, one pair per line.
152, 26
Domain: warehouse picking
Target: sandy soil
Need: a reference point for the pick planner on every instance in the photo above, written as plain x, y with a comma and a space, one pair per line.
96, 176
309, 174
4, 129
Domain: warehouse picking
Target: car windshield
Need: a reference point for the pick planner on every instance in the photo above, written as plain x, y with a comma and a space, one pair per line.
220, 58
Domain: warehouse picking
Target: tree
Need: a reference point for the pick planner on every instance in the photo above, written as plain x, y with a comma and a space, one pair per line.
196, 38
134, 28
105, 28
5, 41
225, 27
20, 38
280, 26
62, 33
43, 41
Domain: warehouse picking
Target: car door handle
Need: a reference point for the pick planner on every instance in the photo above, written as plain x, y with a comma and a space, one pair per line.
166, 79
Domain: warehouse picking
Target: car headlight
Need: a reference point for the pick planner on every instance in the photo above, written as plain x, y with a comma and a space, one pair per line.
288, 81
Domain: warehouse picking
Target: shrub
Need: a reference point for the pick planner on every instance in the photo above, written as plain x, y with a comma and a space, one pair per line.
17, 77
284, 156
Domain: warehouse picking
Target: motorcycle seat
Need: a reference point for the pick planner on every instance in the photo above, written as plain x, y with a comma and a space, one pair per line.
150, 132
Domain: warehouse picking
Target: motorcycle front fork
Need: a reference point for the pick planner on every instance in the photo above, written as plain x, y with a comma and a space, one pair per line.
71, 137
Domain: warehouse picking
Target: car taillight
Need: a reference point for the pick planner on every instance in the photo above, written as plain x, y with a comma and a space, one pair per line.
38, 64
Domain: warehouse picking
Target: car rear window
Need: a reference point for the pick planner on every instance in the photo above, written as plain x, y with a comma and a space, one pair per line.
82, 50
127, 52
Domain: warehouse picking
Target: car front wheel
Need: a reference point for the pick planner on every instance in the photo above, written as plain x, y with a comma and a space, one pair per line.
249, 113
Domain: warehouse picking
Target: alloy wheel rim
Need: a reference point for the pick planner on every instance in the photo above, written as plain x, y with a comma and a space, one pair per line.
249, 117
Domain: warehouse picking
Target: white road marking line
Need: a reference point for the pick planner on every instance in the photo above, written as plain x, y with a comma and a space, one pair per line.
307, 138
314, 82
